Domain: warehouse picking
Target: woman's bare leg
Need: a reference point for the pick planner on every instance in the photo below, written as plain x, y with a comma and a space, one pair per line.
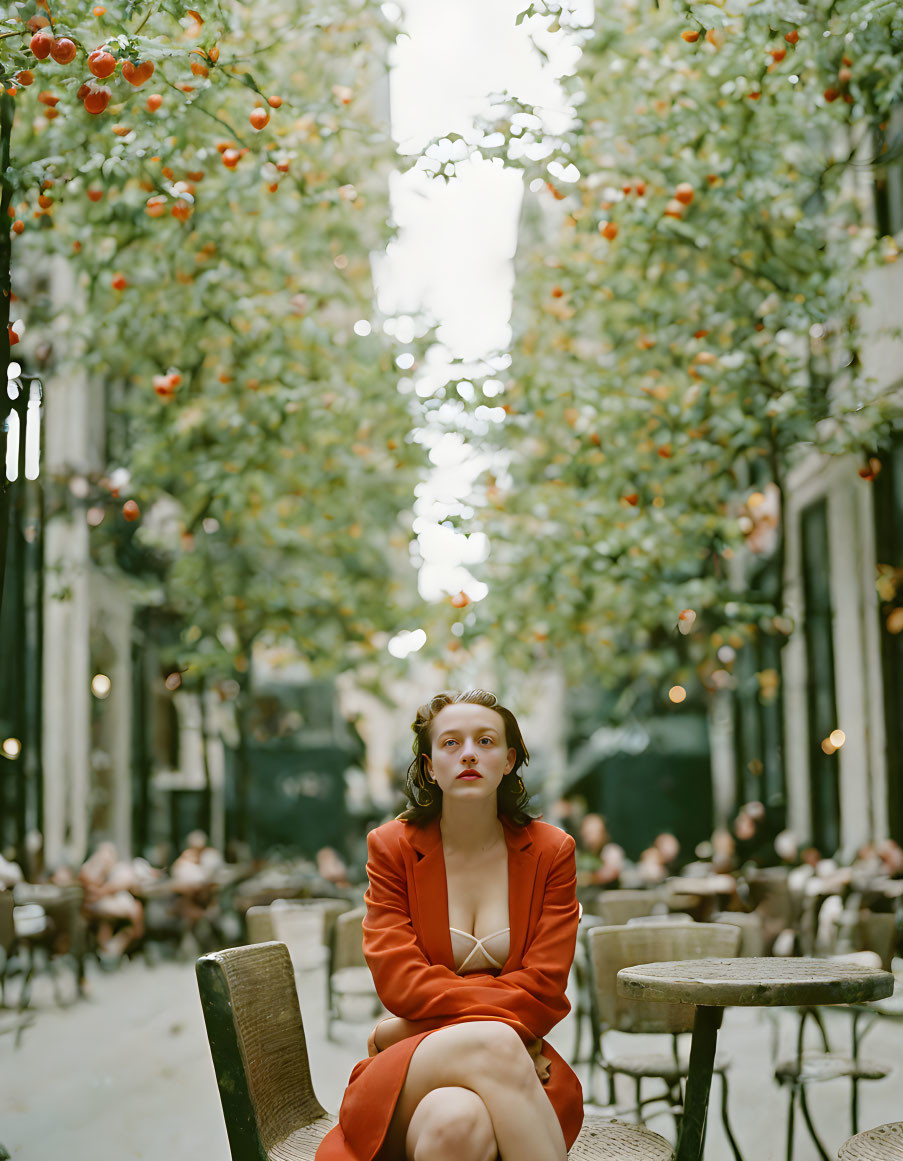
451, 1124
489, 1059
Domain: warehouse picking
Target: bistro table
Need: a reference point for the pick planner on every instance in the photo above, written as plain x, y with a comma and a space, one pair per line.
753, 981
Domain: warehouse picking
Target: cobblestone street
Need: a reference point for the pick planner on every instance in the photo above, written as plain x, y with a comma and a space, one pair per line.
126, 1074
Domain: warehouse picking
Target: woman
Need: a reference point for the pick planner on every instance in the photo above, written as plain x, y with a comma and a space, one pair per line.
470, 932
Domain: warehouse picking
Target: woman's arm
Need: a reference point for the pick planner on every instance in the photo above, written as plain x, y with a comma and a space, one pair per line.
413, 988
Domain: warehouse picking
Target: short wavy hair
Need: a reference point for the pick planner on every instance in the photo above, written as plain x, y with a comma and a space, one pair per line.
426, 802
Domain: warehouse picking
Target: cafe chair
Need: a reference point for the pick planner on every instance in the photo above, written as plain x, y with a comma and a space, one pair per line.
885, 1143
349, 975
809, 1066
613, 948
752, 929
608, 908
7, 939
260, 1059
617, 906
64, 936
300, 927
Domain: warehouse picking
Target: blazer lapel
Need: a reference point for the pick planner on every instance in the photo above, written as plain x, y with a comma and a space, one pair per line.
522, 863
431, 888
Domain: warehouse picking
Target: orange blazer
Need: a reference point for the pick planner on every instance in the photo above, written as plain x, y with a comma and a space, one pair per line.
407, 945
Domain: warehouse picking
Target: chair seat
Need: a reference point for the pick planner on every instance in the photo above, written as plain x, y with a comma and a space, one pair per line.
882, 1144
816, 1066
602, 1139
656, 1064
353, 980
303, 1143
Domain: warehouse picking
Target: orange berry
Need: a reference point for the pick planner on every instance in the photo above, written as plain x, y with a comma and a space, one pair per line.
274, 102
259, 118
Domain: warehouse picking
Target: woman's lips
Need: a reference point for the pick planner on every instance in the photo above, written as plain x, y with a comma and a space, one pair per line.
469, 776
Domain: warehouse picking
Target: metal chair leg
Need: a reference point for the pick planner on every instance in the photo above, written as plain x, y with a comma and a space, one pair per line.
728, 1132
804, 1105
791, 1110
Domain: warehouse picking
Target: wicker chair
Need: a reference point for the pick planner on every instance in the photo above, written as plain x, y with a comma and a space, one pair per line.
616, 907
613, 948
608, 908
298, 925
885, 1143
752, 929
259, 1052
349, 974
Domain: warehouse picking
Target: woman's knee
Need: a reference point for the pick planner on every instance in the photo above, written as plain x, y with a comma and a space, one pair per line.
451, 1124
497, 1048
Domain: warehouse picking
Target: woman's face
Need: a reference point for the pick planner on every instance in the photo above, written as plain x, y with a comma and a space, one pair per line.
470, 756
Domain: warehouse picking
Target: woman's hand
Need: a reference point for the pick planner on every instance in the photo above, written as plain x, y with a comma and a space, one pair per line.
395, 1028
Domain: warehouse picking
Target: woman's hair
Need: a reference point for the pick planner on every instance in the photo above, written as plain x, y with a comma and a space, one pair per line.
426, 797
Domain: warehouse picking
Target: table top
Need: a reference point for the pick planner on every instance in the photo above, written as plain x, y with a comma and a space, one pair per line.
755, 981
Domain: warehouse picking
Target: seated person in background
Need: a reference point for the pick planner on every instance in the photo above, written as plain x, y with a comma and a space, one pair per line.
10, 874
193, 879
331, 867
108, 901
598, 859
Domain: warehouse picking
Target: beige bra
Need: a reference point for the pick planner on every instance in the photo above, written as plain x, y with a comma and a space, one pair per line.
474, 955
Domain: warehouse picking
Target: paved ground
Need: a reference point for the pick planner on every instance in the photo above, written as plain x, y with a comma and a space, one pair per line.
126, 1074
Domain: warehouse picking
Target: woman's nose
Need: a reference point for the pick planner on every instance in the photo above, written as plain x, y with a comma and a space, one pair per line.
468, 750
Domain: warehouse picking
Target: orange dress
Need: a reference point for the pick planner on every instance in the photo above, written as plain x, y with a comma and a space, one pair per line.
408, 946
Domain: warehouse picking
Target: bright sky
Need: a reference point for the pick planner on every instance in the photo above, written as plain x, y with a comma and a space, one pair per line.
452, 262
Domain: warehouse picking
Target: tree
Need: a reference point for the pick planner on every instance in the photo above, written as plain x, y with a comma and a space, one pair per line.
216, 179
685, 327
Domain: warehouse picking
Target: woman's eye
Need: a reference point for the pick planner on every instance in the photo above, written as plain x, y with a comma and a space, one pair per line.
450, 742
487, 740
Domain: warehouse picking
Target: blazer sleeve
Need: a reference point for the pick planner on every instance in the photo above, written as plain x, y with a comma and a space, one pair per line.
410, 986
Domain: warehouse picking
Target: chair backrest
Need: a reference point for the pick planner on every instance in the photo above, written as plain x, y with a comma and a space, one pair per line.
878, 933
7, 927
613, 948
259, 924
258, 1047
616, 907
670, 917
769, 893
64, 910
752, 929
302, 929
330, 909
348, 946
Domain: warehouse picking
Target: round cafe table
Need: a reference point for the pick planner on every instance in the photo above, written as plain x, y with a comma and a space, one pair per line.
753, 981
